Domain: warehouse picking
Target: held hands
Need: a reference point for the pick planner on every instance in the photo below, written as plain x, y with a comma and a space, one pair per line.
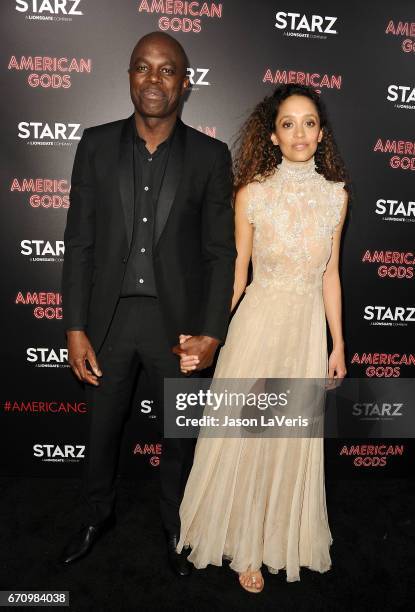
195, 352
80, 351
187, 362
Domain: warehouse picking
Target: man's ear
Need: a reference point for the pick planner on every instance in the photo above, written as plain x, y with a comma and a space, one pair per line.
274, 139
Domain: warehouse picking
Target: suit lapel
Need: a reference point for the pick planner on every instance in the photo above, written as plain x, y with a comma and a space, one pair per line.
126, 177
171, 179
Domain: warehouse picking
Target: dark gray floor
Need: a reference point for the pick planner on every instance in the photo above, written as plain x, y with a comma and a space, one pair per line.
373, 553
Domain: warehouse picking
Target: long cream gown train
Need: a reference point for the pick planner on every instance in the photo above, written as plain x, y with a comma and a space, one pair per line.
262, 500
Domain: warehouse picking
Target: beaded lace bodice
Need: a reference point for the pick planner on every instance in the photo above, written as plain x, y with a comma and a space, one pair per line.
294, 213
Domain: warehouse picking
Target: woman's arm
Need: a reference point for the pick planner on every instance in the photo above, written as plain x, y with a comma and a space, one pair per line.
332, 301
244, 232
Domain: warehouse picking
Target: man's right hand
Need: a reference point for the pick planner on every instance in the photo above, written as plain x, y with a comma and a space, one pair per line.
80, 351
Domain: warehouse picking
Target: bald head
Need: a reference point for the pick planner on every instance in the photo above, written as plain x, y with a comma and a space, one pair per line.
162, 41
158, 76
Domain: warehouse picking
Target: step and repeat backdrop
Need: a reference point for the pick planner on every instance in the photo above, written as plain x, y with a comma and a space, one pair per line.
64, 68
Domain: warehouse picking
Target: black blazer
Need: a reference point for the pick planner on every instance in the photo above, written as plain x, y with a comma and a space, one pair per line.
194, 249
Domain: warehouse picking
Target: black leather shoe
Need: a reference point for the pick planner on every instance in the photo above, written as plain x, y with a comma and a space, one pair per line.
84, 540
178, 561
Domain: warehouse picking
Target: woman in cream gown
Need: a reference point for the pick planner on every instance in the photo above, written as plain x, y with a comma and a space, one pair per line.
262, 500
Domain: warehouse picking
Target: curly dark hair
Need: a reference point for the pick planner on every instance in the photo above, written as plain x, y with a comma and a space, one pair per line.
256, 156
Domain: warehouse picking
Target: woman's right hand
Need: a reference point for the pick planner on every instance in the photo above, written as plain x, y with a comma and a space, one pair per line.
188, 363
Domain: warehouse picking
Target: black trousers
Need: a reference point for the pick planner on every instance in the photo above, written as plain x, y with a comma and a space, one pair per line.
136, 339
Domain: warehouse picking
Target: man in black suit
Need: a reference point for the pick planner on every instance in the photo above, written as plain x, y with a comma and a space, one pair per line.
149, 256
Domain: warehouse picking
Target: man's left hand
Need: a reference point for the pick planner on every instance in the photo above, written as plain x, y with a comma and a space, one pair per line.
195, 352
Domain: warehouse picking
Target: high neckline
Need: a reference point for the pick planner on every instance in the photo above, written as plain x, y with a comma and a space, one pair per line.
297, 171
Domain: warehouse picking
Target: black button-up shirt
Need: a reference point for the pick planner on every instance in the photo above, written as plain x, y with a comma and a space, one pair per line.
149, 169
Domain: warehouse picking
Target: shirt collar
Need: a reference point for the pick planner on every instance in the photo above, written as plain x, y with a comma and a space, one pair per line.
142, 143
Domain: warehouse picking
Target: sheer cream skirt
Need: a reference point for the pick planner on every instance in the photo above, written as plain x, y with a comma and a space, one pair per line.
262, 500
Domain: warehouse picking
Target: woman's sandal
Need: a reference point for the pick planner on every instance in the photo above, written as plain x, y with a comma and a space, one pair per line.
254, 585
